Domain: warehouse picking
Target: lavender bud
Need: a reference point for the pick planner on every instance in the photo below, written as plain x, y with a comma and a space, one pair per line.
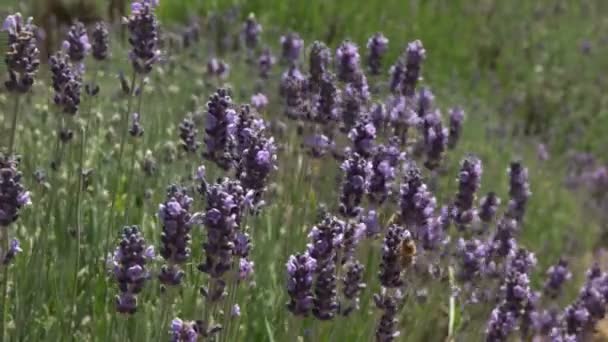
136, 129
488, 207
143, 36
245, 269
503, 241
256, 163
220, 127
13, 250
393, 262
77, 43
300, 270
320, 58
362, 136
13, 195
101, 42
218, 68
435, 139
326, 107
66, 83
187, 135
318, 145
473, 255
469, 181
456, 119
347, 61
294, 91
397, 74
556, 277
356, 181
183, 331
377, 45
259, 101
382, 176
22, 55
352, 285
128, 264
416, 54
519, 191
265, 63
292, 46
417, 203
251, 31
386, 331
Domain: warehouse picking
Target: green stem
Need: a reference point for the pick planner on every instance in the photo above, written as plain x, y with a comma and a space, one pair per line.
452, 313
11, 143
5, 244
78, 220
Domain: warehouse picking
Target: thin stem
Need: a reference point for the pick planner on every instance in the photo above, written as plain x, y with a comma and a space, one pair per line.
78, 218
11, 143
5, 244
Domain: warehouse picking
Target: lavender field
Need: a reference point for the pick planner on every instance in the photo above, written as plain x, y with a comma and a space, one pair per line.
306, 171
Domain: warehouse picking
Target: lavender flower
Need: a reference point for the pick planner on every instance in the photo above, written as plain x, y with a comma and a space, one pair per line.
362, 136
143, 36
382, 176
66, 83
473, 255
175, 218
136, 129
128, 264
371, 222
220, 128
300, 270
386, 330
13, 249
187, 135
22, 55
13, 195
556, 277
503, 241
356, 181
265, 63
218, 68
488, 207
320, 58
377, 45
397, 74
347, 61
435, 139
352, 285
469, 181
353, 233
221, 219
425, 101
251, 31
318, 145
456, 119
417, 203
392, 264
100, 44
257, 161
519, 191
259, 101
293, 89
292, 46
325, 237
415, 56
183, 331
245, 269
326, 107
77, 44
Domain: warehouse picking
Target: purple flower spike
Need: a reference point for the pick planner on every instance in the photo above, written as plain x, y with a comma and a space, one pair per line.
292, 46
183, 331
362, 136
13, 195
326, 109
136, 129
417, 203
435, 139
265, 63
469, 181
387, 329
519, 191
100, 44
347, 61
187, 135
259, 101
392, 264
415, 55
318, 145
143, 36
219, 128
320, 58
473, 254
22, 55
557, 275
456, 119
77, 43
13, 250
377, 45
300, 271
67, 83
128, 264
218, 68
352, 285
488, 207
357, 171
251, 32
383, 175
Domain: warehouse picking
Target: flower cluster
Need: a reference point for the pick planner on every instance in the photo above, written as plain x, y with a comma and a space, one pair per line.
320, 58
415, 55
377, 45
292, 46
143, 35
220, 127
300, 272
13, 195
357, 171
100, 42
347, 61
251, 31
22, 55
77, 44
469, 181
417, 203
66, 83
519, 191
187, 135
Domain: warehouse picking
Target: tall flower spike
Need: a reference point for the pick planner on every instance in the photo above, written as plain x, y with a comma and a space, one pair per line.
300, 271
326, 237
387, 329
128, 264
13, 195
294, 90
488, 207
220, 127
469, 181
174, 215
473, 254
326, 107
519, 191
77, 43
397, 73
415, 55
320, 58
382, 176
257, 162
456, 119
393, 261
265, 63
435, 139
183, 331
292, 46
22, 55
363, 135
417, 203
352, 285
100, 42
66, 83
356, 171
143, 36
187, 135
347, 61
136, 130
251, 31
377, 45
557, 275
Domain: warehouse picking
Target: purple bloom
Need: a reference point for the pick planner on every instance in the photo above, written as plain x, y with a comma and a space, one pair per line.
519, 191
220, 128
557, 275
77, 43
251, 31
397, 73
435, 139
352, 285
456, 119
417, 203
415, 55
13, 195
183, 331
66, 83
22, 55
174, 215
320, 58
294, 91
136, 129
356, 181
377, 45
245, 269
129, 268
503, 241
473, 255
13, 250
265, 63
488, 206
259, 101
392, 264
143, 36
387, 329
326, 106
300, 271
292, 46
382, 176
187, 135
318, 145
362, 136
469, 181
371, 222
218, 68
347, 61
100, 44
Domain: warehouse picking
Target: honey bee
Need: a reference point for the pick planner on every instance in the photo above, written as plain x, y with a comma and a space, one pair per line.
407, 252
